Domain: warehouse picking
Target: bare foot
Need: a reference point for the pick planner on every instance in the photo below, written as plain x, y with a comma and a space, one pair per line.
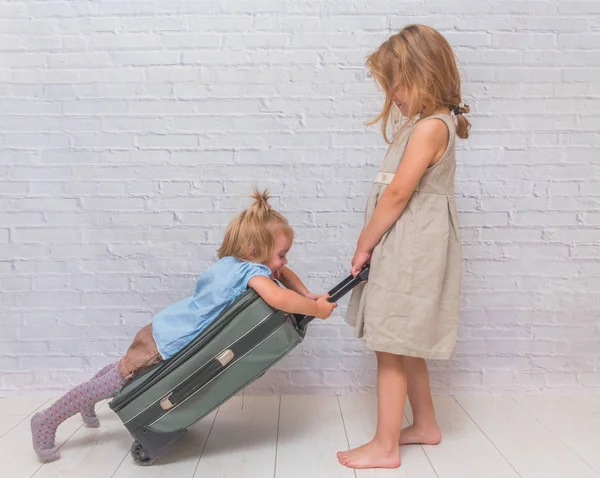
371, 455
420, 436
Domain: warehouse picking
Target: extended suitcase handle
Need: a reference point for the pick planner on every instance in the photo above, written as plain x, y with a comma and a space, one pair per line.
340, 291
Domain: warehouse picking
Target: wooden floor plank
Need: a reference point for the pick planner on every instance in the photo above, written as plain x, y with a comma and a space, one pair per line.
8, 422
16, 451
359, 413
590, 402
311, 431
531, 449
22, 405
575, 426
91, 452
464, 450
544, 436
243, 437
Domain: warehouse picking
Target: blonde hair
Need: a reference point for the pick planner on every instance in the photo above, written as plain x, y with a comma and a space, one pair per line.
250, 235
420, 59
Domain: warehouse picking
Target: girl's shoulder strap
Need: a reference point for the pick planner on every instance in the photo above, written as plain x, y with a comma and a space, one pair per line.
449, 151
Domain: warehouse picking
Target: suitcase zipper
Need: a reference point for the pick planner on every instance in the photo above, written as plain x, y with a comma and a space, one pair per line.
188, 383
188, 387
245, 300
239, 358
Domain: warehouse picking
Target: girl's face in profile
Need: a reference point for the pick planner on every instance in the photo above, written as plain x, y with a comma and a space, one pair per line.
282, 245
401, 97
402, 100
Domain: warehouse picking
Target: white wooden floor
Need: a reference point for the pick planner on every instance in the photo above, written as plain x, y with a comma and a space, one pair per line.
297, 437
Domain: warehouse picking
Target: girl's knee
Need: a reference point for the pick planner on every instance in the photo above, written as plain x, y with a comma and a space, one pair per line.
390, 358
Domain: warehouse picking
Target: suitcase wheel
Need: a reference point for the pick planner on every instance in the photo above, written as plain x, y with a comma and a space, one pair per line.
139, 455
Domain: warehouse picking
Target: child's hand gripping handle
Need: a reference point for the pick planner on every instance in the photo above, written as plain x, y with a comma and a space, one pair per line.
340, 291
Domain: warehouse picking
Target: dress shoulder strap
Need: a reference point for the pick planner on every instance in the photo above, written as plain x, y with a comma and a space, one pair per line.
450, 124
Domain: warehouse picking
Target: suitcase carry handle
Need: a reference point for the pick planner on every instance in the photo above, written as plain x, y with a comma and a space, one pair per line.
340, 291
197, 380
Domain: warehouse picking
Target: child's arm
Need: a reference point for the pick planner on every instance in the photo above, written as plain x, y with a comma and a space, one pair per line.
291, 281
290, 301
425, 143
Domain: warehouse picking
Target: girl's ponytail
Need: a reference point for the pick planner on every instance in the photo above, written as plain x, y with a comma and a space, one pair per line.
462, 124
259, 210
250, 235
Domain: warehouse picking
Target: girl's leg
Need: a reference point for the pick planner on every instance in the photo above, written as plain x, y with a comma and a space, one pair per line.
383, 451
424, 429
88, 414
44, 424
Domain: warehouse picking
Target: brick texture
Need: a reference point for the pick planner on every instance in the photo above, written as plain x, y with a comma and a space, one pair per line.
130, 132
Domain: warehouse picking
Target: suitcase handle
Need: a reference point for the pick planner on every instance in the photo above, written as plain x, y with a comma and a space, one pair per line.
348, 284
197, 380
340, 291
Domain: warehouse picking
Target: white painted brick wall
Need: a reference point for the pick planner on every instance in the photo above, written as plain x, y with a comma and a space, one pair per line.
130, 132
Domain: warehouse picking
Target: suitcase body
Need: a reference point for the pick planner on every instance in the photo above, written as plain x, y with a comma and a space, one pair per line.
236, 349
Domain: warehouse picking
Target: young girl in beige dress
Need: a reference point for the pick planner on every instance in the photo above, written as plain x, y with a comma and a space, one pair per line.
408, 309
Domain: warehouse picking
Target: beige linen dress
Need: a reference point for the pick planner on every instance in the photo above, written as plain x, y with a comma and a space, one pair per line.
409, 305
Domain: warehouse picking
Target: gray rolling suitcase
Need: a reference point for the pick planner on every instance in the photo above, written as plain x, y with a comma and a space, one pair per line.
236, 349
